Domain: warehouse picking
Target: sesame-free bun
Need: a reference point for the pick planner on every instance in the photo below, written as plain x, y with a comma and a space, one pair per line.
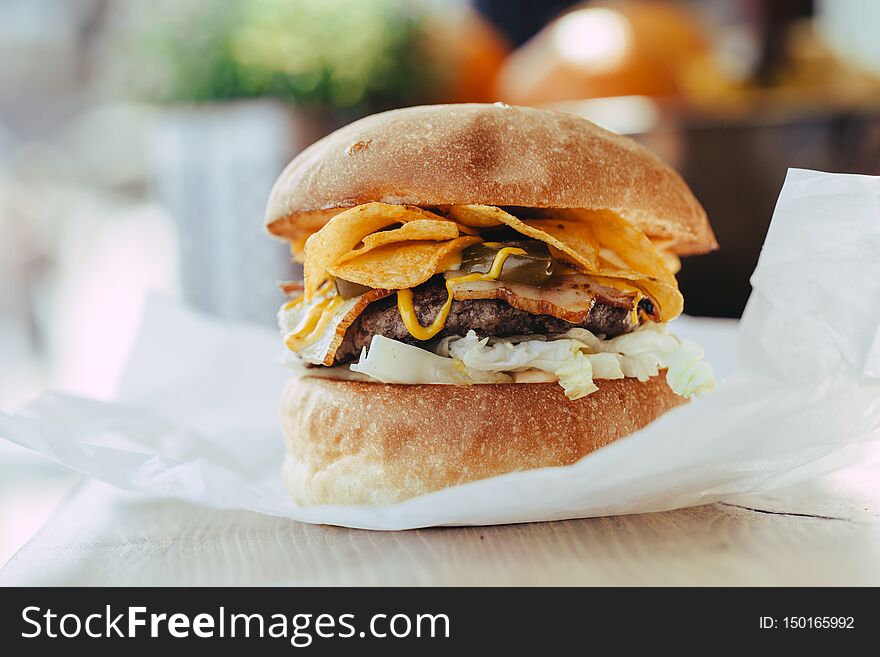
438, 155
370, 443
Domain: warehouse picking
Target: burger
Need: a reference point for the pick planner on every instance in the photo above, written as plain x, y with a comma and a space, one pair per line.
486, 289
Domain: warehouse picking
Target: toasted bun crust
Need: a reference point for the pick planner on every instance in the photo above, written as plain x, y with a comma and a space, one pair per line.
371, 443
489, 154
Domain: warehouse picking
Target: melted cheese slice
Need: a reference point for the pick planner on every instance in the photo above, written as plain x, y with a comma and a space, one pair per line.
313, 322
314, 330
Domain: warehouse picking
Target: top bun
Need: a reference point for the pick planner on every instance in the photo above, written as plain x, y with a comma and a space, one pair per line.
488, 154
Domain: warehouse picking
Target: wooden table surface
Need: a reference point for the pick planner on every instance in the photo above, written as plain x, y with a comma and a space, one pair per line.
824, 533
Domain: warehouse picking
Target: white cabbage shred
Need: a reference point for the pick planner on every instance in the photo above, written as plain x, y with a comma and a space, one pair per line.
391, 361
575, 358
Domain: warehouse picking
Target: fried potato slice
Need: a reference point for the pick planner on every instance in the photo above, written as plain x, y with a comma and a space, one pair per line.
418, 229
582, 250
636, 259
631, 244
346, 230
578, 236
401, 265
476, 216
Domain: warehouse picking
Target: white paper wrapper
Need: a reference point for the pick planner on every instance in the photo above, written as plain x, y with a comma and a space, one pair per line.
198, 412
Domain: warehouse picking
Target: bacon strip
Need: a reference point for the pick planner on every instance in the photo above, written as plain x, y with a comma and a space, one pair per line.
292, 288
571, 298
348, 318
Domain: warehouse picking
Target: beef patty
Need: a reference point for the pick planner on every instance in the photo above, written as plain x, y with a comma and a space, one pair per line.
484, 316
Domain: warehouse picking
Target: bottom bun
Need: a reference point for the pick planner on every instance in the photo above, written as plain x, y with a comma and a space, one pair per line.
371, 443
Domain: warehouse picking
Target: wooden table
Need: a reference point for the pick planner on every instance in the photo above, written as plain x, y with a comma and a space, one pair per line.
824, 533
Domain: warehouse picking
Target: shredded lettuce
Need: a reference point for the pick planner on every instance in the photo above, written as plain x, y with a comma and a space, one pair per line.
562, 358
391, 361
574, 358
504, 355
576, 376
644, 352
688, 374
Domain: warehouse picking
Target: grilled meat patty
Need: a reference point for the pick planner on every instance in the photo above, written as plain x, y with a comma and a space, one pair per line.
487, 317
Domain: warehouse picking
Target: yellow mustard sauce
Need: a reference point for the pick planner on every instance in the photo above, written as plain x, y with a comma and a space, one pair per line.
405, 297
313, 323
293, 303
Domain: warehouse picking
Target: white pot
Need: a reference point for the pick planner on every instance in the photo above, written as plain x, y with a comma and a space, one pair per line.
213, 166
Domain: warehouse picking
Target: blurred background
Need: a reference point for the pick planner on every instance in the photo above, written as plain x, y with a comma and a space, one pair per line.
139, 140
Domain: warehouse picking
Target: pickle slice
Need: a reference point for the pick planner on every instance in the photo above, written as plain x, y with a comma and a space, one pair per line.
534, 267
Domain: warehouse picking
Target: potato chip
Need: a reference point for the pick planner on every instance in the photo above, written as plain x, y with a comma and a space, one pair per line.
610, 257
667, 299
419, 229
663, 291
609, 233
588, 260
298, 248
631, 244
645, 265
577, 236
465, 230
401, 265
345, 231
297, 229
673, 262
477, 216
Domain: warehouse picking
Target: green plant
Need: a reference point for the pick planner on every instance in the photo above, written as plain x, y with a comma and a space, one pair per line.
342, 54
